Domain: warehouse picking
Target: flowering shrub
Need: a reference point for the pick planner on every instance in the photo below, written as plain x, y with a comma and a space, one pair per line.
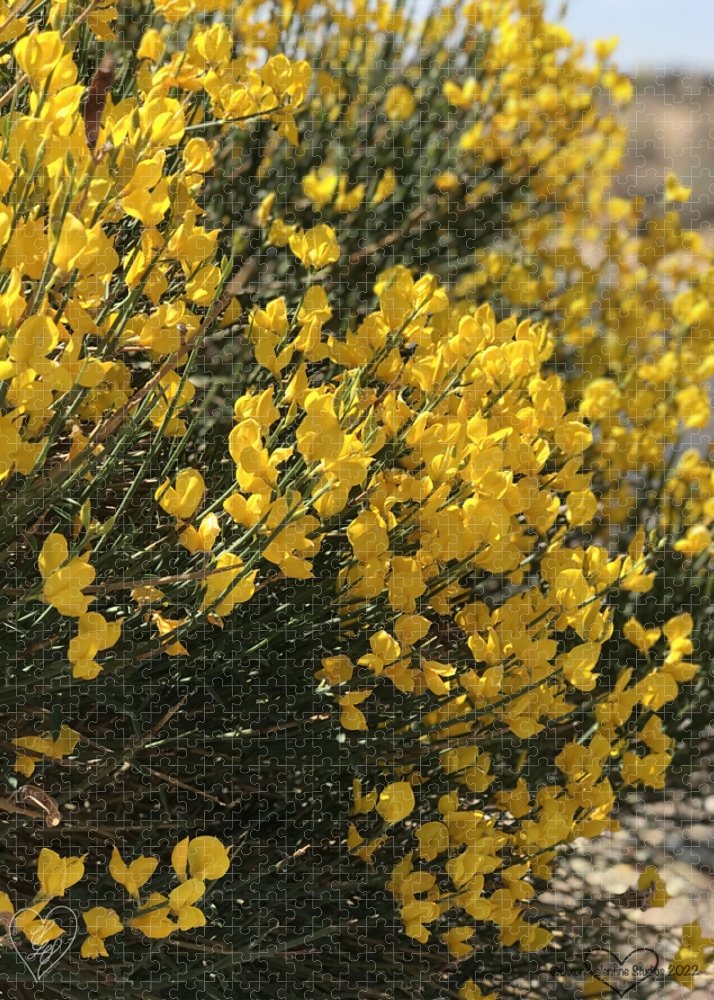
342, 406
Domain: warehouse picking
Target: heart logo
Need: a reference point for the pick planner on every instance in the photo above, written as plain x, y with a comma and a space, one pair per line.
624, 974
40, 959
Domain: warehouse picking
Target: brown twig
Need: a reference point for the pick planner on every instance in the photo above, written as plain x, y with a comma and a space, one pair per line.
23, 78
95, 103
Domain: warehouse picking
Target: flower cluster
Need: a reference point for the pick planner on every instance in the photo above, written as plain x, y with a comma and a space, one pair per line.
194, 861
359, 387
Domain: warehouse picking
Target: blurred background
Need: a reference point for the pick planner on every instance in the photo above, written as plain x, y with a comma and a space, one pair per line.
654, 34
667, 46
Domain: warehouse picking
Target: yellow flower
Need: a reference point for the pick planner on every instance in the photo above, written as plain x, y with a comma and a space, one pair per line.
648, 770
674, 190
56, 875
447, 183
406, 583
174, 394
457, 941
6, 906
335, 670
265, 208
95, 634
183, 500
202, 538
101, 923
291, 546
415, 914
134, 875
280, 233
349, 200
351, 718
65, 579
34, 340
582, 506
197, 156
319, 435
182, 899
167, 626
604, 47
174, 10
362, 803
38, 930
652, 880
317, 247
42, 55
691, 958
71, 242
385, 186
63, 746
433, 840
204, 857
697, 540
226, 569
396, 802
643, 638
162, 120
151, 46
533, 937
578, 664
153, 919
320, 187
399, 104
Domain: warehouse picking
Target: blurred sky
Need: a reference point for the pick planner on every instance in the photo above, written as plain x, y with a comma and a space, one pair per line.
654, 34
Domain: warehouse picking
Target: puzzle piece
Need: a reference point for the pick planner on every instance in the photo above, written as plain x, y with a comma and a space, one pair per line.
358, 505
